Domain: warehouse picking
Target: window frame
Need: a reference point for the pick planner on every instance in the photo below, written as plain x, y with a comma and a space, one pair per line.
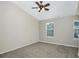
49, 29
75, 28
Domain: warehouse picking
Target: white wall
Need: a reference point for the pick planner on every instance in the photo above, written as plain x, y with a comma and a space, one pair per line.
17, 28
63, 34
78, 8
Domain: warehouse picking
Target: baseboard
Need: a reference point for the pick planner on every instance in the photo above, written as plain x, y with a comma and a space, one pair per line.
17, 47
59, 44
36, 42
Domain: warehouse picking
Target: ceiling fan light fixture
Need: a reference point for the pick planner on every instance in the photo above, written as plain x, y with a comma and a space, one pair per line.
41, 6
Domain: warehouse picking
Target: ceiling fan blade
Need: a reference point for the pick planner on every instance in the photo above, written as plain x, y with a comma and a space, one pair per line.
40, 9
35, 7
46, 9
46, 5
37, 4
41, 2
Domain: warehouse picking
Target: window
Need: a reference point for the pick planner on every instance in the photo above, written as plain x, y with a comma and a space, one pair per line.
76, 34
50, 29
76, 29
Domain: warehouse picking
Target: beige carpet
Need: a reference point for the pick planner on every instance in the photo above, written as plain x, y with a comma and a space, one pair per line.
42, 50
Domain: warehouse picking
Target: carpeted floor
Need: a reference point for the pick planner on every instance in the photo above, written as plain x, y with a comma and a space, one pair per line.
42, 50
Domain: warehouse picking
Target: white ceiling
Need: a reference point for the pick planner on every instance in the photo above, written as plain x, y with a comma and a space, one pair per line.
57, 9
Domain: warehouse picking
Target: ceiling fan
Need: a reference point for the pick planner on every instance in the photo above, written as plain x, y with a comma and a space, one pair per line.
41, 6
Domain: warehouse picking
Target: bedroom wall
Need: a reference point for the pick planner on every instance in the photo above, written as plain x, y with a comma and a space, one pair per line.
17, 28
63, 31
78, 8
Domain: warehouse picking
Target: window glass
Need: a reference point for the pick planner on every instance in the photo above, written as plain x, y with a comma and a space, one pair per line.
76, 28
76, 34
50, 29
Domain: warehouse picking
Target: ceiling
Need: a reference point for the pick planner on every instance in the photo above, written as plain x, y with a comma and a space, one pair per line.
57, 9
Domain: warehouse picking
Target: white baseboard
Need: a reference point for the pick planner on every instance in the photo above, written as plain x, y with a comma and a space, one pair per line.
59, 44
17, 47
33, 43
